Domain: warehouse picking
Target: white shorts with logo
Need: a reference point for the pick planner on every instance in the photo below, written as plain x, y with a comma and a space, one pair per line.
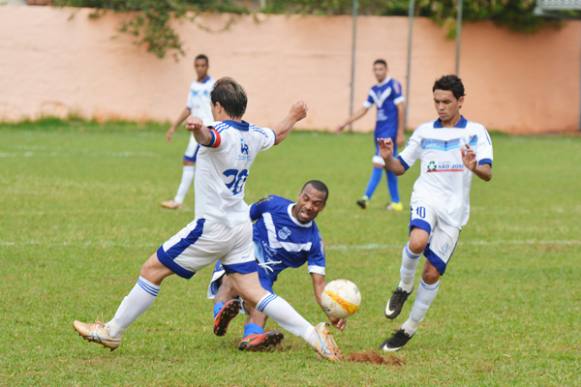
443, 237
192, 150
203, 242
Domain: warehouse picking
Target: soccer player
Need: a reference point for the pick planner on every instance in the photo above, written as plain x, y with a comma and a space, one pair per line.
198, 105
285, 236
388, 98
222, 228
451, 149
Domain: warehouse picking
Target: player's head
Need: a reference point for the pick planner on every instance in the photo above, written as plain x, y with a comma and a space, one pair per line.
448, 96
228, 99
311, 201
380, 69
201, 65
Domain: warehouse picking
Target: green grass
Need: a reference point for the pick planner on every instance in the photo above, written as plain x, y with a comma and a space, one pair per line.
80, 213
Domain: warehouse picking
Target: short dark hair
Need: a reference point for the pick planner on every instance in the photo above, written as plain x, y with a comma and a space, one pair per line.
231, 96
319, 186
380, 61
451, 83
202, 57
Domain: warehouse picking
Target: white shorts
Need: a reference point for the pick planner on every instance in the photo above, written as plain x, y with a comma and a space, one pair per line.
192, 150
203, 242
443, 237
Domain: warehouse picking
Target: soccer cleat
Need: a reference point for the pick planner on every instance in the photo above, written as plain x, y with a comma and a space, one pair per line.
97, 332
362, 202
397, 207
171, 204
326, 346
396, 341
395, 303
261, 341
230, 310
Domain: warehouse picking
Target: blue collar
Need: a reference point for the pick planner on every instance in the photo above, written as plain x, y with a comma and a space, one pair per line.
242, 125
206, 79
461, 124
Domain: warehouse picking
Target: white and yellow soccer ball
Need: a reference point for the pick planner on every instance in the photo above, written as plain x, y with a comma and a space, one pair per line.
341, 298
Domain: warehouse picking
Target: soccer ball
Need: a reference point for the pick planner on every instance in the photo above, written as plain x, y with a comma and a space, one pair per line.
341, 298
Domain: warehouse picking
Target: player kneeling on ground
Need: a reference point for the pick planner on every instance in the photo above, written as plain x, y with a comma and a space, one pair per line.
451, 149
222, 228
285, 235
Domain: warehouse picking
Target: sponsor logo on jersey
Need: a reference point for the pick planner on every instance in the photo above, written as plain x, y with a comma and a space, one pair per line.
444, 166
284, 233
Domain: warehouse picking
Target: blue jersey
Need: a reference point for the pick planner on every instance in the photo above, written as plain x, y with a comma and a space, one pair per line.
281, 241
385, 96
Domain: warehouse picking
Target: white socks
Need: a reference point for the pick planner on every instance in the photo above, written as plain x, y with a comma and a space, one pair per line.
137, 301
424, 298
186, 183
409, 262
284, 314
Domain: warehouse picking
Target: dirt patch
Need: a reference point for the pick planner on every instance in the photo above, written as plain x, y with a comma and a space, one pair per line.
375, 358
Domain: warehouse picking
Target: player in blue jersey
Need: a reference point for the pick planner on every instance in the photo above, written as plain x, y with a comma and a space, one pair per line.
451, 150
285, 236
388, 98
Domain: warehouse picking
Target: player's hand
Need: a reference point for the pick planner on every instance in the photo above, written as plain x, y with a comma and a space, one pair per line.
169, 133
400, 139
338, 323
468, 157
385, 148
194, 123
299, 110
339, 128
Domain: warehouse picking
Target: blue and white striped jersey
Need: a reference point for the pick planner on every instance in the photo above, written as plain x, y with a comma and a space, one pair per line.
385, 96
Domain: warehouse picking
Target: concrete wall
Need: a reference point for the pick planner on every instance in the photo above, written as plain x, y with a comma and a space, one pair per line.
58, 61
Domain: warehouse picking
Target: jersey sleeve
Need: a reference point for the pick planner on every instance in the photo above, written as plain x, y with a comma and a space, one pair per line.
369, 101
484, 148
412, 151
316, 259
259, 208
266, 137
397, 93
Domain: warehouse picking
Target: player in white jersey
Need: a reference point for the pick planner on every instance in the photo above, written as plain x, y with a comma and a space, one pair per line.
451, 150
197, 105
222, 228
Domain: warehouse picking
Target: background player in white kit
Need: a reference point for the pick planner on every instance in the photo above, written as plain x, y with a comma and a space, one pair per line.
222, 228
451, 149
198, 105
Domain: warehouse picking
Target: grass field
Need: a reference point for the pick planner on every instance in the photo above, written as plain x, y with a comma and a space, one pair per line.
80, 213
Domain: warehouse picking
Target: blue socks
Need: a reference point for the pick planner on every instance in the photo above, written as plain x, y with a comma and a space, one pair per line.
392, 187
251, 329
373, 182
217, 307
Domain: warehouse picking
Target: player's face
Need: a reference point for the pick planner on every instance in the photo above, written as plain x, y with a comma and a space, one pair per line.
201, 67
309, 204
447, 106
380, 72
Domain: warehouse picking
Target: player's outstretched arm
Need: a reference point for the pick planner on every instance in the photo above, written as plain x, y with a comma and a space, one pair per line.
201, 133
386, 152
318, 287
357, 115
469, 159
175, 125
297, 112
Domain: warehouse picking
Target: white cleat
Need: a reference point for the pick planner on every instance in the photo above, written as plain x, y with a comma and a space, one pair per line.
327, 347
97, 332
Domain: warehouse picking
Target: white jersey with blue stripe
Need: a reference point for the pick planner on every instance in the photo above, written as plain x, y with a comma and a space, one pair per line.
199, 101
222, 169
444, 181
281, 241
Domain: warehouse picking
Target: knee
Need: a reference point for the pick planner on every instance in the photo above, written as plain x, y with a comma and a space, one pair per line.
430, 275
153, 271
417, 246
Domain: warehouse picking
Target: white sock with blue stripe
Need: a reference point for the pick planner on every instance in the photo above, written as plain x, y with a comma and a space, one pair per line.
424, 298
185, 184
287, 317
137, 301
409, 262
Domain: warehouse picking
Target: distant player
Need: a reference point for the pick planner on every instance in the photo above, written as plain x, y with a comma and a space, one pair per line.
198, 105
451, 150
285, 236
387, 97
222, 228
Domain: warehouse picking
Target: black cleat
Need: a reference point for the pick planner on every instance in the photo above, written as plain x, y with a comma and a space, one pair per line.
396, 341
395, 303
230, 310
261, 341
362, 203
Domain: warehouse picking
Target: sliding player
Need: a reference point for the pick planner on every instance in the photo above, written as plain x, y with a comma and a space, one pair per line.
222, 228
451, 150
285, 236
198, 105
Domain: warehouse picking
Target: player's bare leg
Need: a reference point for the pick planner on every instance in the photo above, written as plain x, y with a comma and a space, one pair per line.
183, 188
139, 299
248, 286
